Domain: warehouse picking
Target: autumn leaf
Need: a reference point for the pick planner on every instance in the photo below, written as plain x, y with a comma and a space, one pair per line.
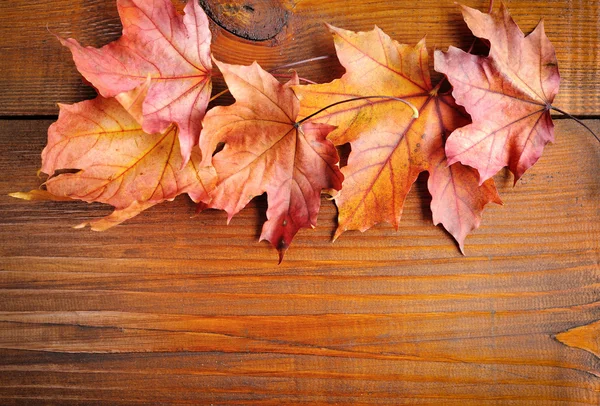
173, 50
267, 150
98, 152
389, 146
508, 94
457, 198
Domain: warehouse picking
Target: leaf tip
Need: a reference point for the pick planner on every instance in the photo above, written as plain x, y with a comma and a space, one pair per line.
80, 225
281, 254
333, 29
200, 207
337, 234
38, 195
281, 246
102, 224
496, 197
19, 195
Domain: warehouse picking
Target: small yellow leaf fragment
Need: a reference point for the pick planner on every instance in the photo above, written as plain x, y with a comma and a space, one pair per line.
39, 195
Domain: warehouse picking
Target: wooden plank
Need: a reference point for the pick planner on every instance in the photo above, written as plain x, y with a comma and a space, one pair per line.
167, 308
559, 193
171, 309
37, 72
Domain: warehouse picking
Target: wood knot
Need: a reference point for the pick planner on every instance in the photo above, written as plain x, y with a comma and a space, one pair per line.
254, 20
584, 337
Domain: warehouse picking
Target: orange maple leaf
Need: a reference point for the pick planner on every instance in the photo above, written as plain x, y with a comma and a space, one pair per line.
389, 146
173, 50
108, 158
508, 94
267, 150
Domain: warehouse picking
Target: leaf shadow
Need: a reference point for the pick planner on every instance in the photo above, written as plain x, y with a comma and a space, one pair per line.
420, 188
422, 191
261, 205
344, 153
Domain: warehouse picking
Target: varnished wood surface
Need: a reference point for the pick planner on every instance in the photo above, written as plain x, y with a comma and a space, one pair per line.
174, 309
36, 72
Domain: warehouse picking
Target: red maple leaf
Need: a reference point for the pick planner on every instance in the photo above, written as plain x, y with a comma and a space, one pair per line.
267, 150
173, 50
508, 94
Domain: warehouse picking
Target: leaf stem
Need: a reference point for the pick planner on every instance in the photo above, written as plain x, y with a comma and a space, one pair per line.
409, 104
283, 75
291, 65
216, 96
577, 120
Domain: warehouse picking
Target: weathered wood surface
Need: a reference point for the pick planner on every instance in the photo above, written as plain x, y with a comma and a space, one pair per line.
172, 309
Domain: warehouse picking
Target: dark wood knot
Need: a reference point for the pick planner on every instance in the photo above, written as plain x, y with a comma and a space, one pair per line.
254, 20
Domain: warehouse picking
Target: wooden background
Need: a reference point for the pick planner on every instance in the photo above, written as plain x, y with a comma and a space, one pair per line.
168, 309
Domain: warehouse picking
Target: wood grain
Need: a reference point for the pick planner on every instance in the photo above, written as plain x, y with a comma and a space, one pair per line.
37, 72
198, 311
172, 308
586, 337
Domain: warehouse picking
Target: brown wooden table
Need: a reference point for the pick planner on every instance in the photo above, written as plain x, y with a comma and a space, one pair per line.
167, 308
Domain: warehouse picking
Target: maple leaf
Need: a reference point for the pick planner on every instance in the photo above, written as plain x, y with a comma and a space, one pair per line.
508, 94
173, 50
108, 158
267, 150
389, 146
